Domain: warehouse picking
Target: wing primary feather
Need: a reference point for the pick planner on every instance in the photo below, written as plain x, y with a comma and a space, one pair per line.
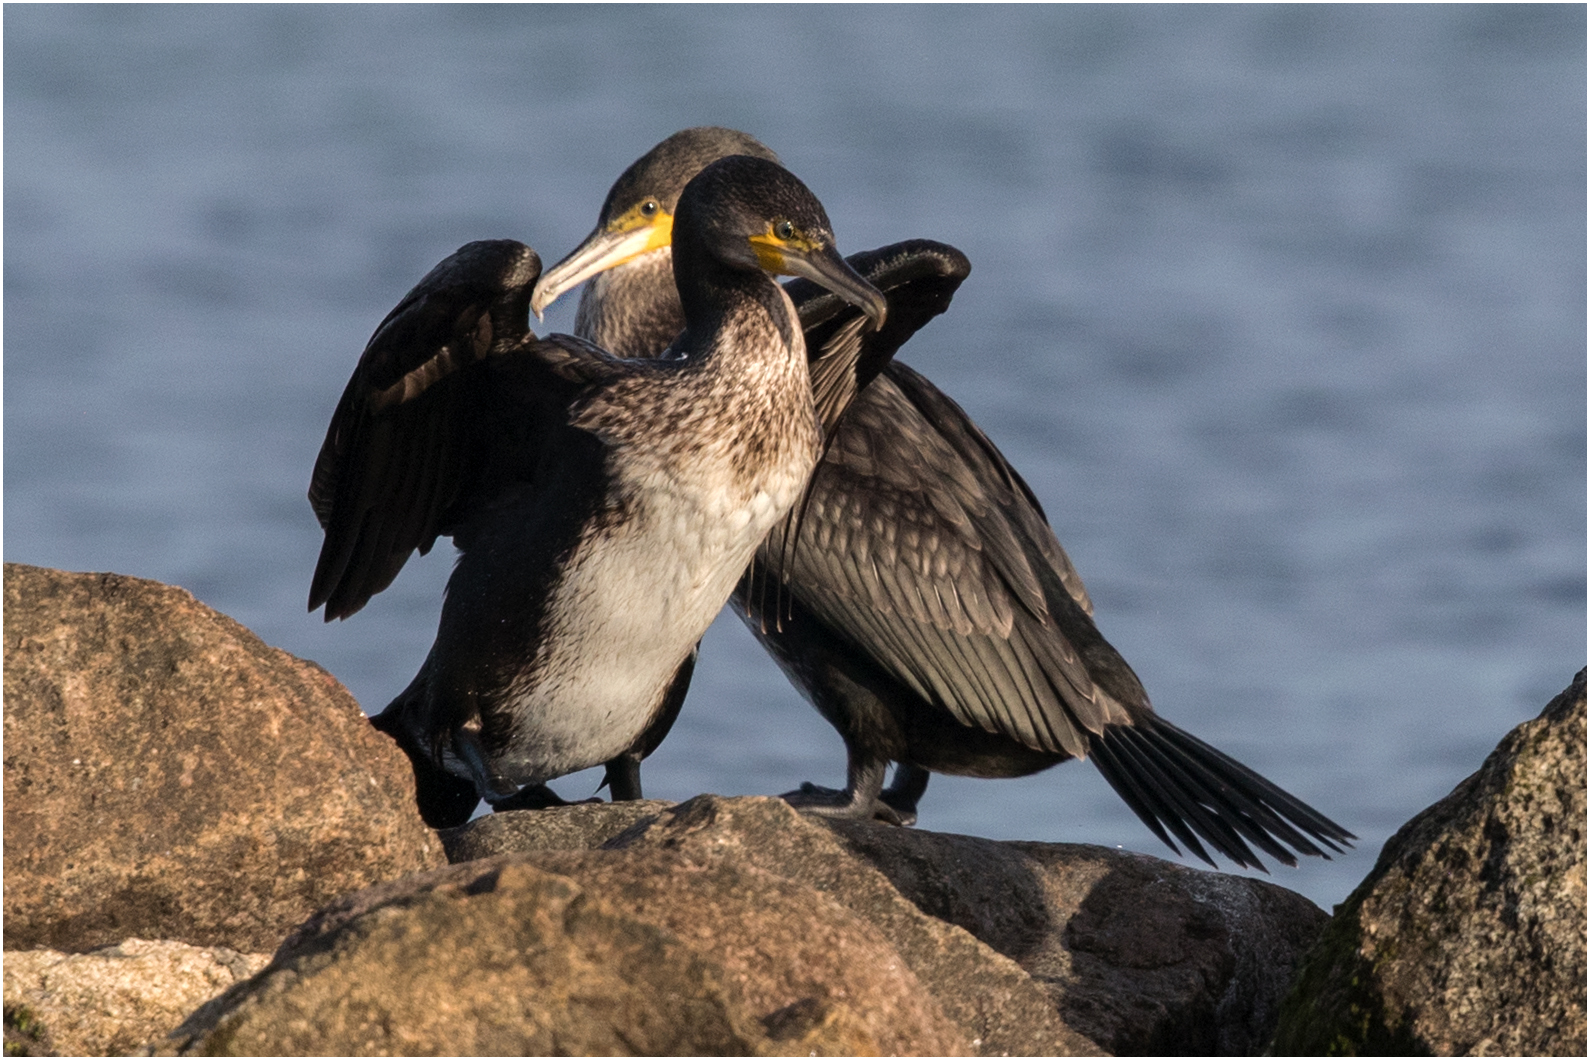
385, 479
971, 697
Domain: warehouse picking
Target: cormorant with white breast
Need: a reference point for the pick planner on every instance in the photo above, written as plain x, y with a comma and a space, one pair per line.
603, 507
928, 610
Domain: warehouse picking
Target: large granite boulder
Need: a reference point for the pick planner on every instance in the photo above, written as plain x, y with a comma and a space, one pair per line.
584, 953
170, 776
581, 826
114, 1001
1468, 937
1031, 948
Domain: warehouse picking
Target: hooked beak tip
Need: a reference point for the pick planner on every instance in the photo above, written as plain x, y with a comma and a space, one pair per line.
877, 310
539, 301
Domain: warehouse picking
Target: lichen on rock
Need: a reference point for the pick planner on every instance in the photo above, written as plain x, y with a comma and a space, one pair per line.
1468, 937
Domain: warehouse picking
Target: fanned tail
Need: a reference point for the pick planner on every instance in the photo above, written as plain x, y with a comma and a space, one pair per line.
1173, 780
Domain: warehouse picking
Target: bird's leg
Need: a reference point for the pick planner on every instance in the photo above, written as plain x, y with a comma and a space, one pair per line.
622, 779
905, 791
859, 800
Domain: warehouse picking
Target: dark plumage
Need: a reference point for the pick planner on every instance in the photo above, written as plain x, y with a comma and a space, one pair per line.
925, 607
603, 508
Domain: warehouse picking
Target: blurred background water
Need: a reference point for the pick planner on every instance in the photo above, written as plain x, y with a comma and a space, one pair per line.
1281, 311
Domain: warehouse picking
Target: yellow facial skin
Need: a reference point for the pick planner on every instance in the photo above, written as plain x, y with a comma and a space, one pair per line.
773, 246
781, 249
784, 250
647, 216
641, 229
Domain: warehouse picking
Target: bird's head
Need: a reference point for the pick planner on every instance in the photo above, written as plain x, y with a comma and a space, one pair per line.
638, 216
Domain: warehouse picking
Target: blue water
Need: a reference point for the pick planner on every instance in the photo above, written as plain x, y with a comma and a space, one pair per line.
1280, 311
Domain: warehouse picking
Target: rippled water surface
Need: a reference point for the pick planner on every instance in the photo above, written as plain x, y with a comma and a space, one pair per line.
1280, 311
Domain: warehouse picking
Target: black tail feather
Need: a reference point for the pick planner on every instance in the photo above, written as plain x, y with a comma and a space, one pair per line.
1148, 809
1272, 797
1173, 780
1186, 813
1254, 801
1234, 815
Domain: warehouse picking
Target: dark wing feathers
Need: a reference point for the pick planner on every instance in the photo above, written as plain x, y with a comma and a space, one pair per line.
929, 551
932, 590
917, 557
918, 277
983, 462
408, 448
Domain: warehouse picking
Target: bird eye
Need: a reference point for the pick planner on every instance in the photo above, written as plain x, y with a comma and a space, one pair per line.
784, 230
649, 208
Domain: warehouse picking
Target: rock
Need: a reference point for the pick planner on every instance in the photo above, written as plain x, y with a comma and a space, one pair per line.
117, 1000
583, 826
989, 996
1143, 956
619, 953
25, 1035
1031, 948
168, 775
1468, 937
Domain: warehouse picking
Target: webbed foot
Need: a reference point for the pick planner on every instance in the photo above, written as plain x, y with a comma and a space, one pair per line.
866, 796
831, 802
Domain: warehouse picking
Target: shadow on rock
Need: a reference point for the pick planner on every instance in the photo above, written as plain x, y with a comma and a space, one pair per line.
1029, 948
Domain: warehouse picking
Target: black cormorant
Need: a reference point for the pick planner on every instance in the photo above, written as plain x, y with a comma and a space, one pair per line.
930, 614
603, 507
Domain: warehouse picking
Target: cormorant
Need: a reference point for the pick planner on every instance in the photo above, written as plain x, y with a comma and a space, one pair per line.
924, 605
602, 507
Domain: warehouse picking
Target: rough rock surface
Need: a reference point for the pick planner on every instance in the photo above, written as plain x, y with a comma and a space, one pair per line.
25, 1035
117, 1000
620, 953
168, 775
1142, 955
1031, 948
1468, 938
583, 826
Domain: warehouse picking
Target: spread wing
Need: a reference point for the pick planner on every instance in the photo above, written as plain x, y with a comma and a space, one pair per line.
410, 447
918, 277
918, 541
978, 457
923, 547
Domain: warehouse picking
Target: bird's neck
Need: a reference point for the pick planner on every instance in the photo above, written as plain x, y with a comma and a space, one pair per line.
633, 310
710, 290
